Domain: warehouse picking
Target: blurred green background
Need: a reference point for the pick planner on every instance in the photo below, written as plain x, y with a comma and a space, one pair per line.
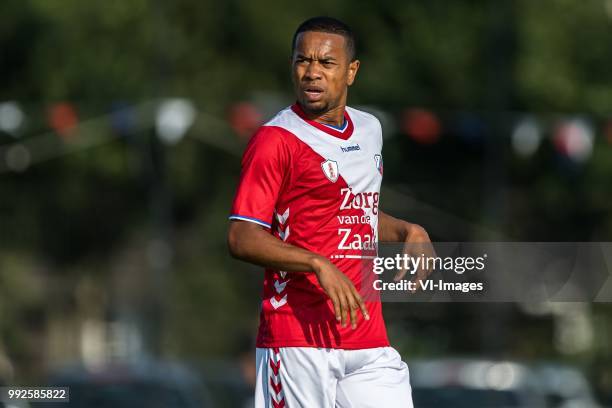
122, 125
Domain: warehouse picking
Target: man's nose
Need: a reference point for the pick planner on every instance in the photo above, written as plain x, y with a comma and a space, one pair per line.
313, 70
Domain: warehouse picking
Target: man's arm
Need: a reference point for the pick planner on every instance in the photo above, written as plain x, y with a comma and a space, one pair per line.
251, 243
391, 229
415, 238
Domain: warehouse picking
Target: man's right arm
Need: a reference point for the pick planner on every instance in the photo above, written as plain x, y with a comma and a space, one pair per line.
249, 242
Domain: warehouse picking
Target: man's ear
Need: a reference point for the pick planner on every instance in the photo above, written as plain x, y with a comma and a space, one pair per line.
353, 68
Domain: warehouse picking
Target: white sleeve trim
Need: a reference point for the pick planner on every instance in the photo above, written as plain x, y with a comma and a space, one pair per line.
250, 219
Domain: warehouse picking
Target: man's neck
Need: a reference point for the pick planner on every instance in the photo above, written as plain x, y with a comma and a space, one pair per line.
333, 117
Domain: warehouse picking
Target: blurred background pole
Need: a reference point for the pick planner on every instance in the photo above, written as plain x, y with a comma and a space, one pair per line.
160, 249
499, 85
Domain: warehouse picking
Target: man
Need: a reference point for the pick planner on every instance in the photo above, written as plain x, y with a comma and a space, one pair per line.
306, 208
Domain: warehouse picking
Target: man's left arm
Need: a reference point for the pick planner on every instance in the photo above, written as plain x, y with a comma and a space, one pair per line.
391, 229
414, 237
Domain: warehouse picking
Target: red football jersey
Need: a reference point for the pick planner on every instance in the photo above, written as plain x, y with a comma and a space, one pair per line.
316, 187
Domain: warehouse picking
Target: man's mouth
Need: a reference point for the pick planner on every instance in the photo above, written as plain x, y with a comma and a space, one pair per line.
313, 92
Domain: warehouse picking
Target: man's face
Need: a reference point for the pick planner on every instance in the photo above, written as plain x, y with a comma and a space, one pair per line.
322, 71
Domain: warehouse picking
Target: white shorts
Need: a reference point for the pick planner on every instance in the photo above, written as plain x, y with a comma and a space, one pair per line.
308, 377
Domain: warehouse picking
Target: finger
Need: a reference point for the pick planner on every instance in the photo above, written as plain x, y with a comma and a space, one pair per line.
426, 272
421, 276
361, 304
353, 312
336, 303
430, 253
416, 285
400, 274
426, 269
343, 307
412, 250
353, 306
432, 250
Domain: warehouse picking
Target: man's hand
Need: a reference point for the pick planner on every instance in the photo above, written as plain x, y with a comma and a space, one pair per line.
341, 291
249, 242
416, 243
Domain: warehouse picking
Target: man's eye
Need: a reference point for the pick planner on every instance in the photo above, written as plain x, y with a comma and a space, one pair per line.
327, 63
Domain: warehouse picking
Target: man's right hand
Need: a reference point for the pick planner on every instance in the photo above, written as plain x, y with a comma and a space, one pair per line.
341, 291
249, 242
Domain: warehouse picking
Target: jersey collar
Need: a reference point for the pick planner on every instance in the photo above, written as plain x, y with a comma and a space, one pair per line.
341, 134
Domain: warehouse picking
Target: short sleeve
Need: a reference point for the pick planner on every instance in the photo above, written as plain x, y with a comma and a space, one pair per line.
265, 165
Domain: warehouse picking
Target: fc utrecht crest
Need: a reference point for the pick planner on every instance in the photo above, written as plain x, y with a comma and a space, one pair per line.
379, 163
330, 169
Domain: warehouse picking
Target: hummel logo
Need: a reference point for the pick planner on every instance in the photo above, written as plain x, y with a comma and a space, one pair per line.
348, 149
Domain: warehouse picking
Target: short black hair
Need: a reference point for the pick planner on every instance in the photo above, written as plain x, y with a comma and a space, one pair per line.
328, 25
